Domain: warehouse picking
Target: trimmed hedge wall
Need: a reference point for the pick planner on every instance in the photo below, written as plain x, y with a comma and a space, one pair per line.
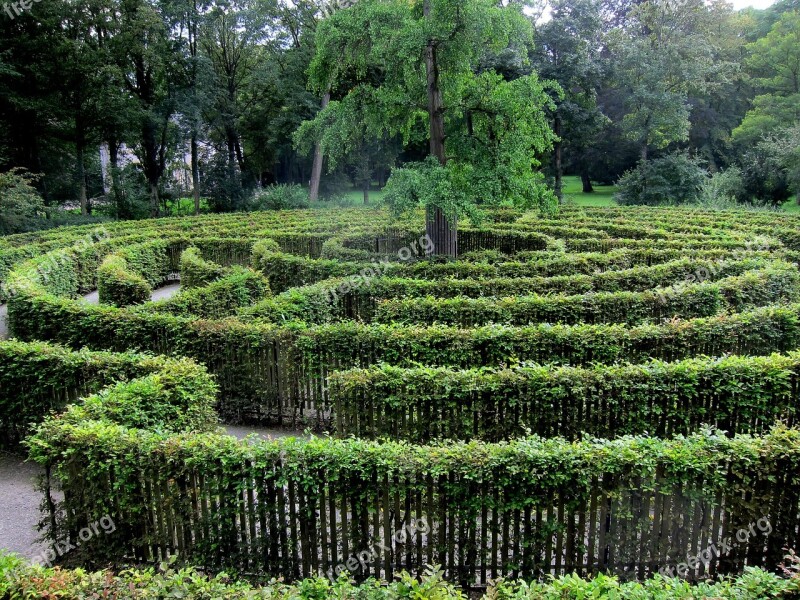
522, 508
37, 379
221, 298
196, 271
752, 289
734, 394
120, 286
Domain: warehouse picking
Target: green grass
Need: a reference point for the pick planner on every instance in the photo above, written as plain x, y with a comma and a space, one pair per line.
791, 206
356, 197
603, 195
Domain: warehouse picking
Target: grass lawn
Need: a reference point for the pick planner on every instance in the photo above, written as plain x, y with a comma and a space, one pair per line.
573, 193
603, 195
791, 206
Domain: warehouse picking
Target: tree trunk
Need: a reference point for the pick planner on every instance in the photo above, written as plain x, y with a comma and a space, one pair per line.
155, 208
559, 185
195, 174
115, 193
442, 233
644, 151
316, 168
366, 192
586, 181
81, 175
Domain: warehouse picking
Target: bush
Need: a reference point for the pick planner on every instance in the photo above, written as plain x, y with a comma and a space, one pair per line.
279, 197
196, 271
723, 190
241, 287
119, 286
748, 395
764, 181
21, 206
38, 378
674, 179
21, 580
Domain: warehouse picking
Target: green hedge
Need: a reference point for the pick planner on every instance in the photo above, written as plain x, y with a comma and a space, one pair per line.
120, 286
38, 378
523, 508
755, 288
21, 580
196, 271
221, 298
735, 394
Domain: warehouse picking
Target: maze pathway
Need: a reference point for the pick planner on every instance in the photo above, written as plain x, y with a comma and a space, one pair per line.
162, 293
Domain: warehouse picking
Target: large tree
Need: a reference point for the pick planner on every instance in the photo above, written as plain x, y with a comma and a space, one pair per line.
568, 48
421, 65
664, 54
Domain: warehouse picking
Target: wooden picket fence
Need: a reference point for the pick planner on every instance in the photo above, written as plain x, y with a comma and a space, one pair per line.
269, 521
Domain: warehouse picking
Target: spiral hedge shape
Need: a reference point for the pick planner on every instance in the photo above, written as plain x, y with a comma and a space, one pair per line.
653, 352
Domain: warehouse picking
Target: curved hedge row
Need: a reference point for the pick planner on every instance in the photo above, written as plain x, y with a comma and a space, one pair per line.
752, 289
524, 507
120, 286
37, 379
735, 394
521, 508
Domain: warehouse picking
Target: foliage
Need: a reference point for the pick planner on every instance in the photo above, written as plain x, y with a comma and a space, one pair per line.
238, 287
279, 197
749, 393
673, 179
723, 189
21, 206
119, 285
18, 578
196, 271
38, 378
494, 126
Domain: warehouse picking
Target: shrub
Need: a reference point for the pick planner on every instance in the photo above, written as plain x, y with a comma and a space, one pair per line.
279, 197
38, 378
723, 190
18, 579
664, 399
241, 287
674, 179
119, 286
21, 206
196, 271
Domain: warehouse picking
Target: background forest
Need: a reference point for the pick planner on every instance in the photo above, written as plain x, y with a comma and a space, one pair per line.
138, 108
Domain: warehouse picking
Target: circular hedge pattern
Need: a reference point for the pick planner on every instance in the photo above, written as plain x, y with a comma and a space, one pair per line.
641, 323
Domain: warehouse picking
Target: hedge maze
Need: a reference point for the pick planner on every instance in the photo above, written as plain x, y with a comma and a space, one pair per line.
607, 390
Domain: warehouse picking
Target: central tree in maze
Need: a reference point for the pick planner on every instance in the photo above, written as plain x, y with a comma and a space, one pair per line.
452, 71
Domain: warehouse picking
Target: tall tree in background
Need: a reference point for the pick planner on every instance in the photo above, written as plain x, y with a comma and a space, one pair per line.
418, 63
664, 54
142, 51
774, 63
567, 51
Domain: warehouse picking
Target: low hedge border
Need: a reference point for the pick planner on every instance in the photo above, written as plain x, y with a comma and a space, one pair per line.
21, 580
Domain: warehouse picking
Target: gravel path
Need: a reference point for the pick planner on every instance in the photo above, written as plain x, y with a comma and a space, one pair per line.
162, 293
19, 506
20, 501
242, 431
